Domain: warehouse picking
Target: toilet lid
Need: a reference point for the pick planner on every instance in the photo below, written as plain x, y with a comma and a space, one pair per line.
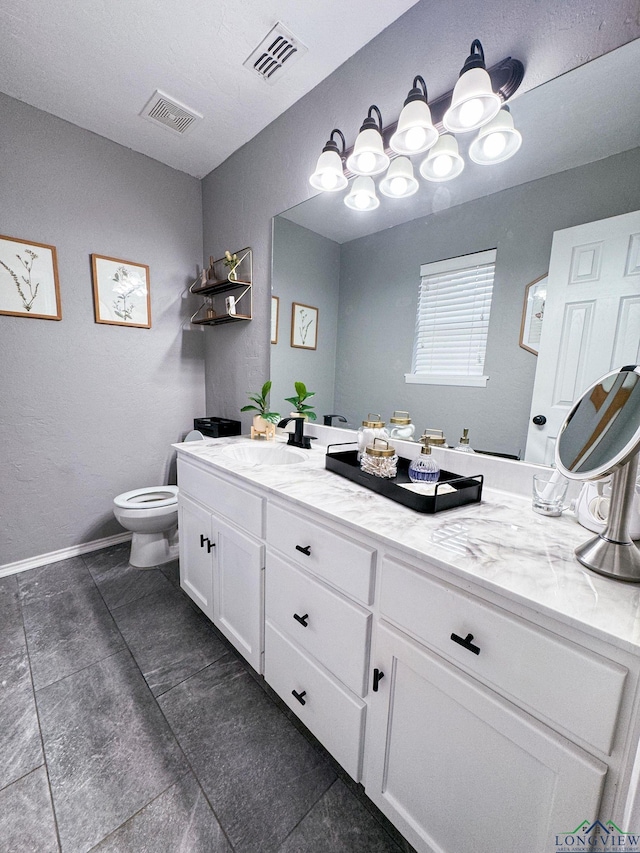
148, 498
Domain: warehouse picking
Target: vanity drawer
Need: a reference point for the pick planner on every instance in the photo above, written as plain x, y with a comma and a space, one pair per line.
343, 562
221, 496
541, 672
331, 624
334, 715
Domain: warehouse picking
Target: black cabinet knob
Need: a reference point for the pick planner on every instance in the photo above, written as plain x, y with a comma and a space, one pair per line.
306, 550
302, 619
378, 675
466, 643
300, 696
539, 420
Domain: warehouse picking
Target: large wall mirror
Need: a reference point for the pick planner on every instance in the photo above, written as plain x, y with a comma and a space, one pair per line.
579, 162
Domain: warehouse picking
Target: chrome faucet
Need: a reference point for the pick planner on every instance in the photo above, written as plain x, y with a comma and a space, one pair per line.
297, 438
329, 418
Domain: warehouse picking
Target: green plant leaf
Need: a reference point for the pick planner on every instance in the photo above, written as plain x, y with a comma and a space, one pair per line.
301, 389
266, 388
249, 409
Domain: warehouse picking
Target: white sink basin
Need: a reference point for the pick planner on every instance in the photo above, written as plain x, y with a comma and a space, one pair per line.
258, 453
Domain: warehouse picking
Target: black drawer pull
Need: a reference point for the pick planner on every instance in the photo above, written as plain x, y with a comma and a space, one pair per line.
466, 643
378, 675
210, 545
299, 696
206, 539
302, 619
306, 550
203, 539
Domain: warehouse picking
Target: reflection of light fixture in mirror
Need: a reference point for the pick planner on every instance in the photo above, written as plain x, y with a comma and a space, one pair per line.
600, 436
369, 157
443, 162
399, 181
415, 132
362, 195
329, 174
474, 103
496, 141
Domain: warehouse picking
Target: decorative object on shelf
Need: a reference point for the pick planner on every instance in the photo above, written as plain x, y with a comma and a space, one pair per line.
474, 104
217, 280
304, 326
401, 426
424, 469
380, 460
302, 409
264, 421
372, 427
29, 279
275, 316
121, 292
535, 295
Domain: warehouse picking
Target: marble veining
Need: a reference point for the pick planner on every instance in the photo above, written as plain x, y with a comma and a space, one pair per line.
500, 543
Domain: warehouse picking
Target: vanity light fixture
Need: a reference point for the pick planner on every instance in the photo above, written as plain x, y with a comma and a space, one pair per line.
362, 195
443, 162
329, 175
415, 132
369, 157
474, 103
496, 141
399, 181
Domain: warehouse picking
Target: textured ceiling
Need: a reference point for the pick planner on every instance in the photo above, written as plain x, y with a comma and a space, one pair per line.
96, 63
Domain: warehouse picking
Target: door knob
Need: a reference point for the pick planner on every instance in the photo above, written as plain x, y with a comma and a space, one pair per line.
539, 420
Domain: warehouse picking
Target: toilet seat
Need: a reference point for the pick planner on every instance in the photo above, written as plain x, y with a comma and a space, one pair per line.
150, 497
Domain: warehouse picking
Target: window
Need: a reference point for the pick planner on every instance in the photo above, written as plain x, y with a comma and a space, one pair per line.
454, 303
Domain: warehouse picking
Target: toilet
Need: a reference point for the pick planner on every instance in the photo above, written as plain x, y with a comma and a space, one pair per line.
151, 513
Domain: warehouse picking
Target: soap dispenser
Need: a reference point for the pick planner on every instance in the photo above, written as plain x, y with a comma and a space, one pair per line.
424, 469
464, 445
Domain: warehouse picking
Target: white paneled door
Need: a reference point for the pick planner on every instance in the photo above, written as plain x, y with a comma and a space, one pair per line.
591, 320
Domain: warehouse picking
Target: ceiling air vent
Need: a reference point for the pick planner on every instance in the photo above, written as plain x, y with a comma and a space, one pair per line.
166, 111
277, 51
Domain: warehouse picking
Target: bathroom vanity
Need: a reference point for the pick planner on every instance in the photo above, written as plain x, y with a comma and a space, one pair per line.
463, 666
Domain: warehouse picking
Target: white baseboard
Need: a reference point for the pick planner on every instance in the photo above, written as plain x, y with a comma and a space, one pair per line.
62, 554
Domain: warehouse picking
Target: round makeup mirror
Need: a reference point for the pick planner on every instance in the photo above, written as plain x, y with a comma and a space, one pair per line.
601, 436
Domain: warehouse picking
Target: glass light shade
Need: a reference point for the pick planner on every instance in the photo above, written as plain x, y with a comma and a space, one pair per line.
368, 157
415, 132
362, 195
443, 162
473, 103
496, 141
329, 175
399, 181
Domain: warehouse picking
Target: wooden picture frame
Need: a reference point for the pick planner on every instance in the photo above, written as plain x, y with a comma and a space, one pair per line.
275, 316
304, 326
29, 285
535, 294
121, 295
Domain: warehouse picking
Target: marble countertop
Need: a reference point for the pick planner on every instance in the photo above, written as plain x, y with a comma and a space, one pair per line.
500, 543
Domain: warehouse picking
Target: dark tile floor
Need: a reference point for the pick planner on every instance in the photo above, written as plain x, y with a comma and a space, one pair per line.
128, 724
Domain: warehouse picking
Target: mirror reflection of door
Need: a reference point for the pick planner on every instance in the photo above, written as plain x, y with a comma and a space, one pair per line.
592, 320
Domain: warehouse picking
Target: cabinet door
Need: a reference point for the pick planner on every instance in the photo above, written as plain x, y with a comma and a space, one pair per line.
457, 769
196, 562
238, 590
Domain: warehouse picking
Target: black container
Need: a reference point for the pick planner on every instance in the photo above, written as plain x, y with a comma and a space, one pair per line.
467, 489
217, 427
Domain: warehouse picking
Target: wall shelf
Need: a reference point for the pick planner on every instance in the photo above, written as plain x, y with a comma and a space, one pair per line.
216, 280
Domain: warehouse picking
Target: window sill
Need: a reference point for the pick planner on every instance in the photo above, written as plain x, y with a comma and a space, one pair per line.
424, 379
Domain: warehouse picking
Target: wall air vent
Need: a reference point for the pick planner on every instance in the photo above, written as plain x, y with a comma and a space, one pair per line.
166, 111
277, 51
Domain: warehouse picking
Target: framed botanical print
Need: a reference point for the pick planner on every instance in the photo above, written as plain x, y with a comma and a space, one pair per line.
304, 326
121, 292
29, 279
535, 295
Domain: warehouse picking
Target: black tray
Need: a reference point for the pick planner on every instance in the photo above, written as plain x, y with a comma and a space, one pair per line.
217, 427
467, 489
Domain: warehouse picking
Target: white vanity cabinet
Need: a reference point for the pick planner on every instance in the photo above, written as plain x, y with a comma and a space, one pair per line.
222, 565
318, 628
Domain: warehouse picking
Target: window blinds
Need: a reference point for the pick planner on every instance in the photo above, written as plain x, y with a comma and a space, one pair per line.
454, 303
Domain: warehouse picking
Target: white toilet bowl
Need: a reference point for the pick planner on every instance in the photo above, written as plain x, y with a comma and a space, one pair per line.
151, 514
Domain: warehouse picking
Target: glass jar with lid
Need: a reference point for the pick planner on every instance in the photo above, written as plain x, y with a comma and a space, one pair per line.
373, 427
400, 426
380, 459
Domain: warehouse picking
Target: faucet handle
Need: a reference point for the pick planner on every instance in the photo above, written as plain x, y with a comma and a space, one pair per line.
328, 418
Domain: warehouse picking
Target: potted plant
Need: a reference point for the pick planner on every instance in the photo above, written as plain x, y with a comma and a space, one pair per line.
264, 419
302, 409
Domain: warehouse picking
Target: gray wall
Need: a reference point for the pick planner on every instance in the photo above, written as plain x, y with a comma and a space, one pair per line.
89, 411
306, 270
270, 173
378, 297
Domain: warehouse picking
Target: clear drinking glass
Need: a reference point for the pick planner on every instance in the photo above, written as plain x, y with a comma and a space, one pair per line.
549, 492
